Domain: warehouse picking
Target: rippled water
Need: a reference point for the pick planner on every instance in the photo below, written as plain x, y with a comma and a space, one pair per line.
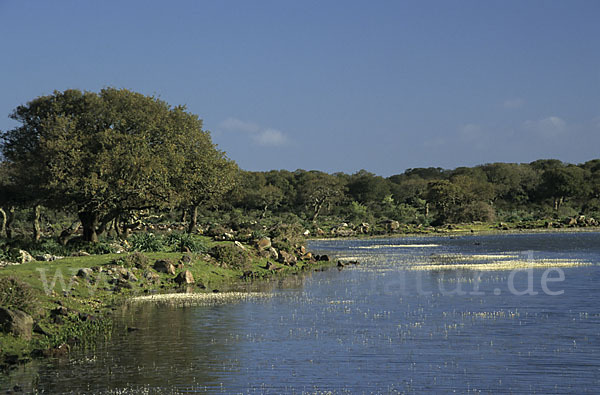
375, 327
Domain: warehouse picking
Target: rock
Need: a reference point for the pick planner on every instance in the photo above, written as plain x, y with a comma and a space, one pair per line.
340, 264
274, 253
239, 245
80, 253
287, 259
25, 257
16, 322
263, 244
151, 277
364, 228
85, 273
163, 266
308, 256
185, 277
130, 276
320, 232
322, 258
306, 233
47, 257
302, 250
186, 259
59, 311
571, 221
270, 266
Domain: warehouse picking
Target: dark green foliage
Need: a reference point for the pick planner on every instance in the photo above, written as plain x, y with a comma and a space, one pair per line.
286, 236
15, 294
231, 256
146, 242
181, 242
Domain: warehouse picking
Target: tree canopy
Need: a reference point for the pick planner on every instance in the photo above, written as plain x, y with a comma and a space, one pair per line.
104, 154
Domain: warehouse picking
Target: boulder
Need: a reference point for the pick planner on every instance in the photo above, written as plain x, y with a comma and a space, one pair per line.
239, 245
274, 254
25, 257
151, 277
16, 322
263, 244
287, 259
85, 273
186, 259
163, 266
47, 257
185, 277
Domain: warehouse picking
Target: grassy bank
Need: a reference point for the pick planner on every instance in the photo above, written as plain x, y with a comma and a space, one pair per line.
71, 300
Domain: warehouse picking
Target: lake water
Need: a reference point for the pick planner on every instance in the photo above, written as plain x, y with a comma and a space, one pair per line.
377, 327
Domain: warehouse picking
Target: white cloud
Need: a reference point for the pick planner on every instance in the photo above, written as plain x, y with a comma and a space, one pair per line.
514, 103
261, 136
551, 126
237, 125
270, 137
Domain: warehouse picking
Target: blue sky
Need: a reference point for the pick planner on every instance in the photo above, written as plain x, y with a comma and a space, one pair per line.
331, 85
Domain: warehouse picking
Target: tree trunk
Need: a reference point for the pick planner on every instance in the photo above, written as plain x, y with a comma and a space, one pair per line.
9, 221
65, 234
193, 218
106, 221
37, 229
2, 221
89, 221
318, 208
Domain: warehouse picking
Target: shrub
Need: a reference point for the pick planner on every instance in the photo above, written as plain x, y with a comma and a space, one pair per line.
146, 242
286, 236
182, 241
137, 259
231, 256
15, 294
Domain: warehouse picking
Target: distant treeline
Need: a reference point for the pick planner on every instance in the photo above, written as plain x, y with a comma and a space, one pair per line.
544, 189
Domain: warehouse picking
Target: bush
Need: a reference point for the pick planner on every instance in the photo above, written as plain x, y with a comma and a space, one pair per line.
146, 242
287, 236
137, 259
231, 256
15, 294
181, 241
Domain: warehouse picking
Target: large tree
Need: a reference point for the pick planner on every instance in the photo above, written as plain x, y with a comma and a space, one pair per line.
101, 154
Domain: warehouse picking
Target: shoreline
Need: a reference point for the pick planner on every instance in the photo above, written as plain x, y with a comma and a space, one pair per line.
461, 232
76, 297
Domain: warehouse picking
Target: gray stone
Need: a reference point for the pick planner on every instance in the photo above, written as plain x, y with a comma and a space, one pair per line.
25, 257
287, 259
185, 277
163, 266
239, 245
16, 322
85, 272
